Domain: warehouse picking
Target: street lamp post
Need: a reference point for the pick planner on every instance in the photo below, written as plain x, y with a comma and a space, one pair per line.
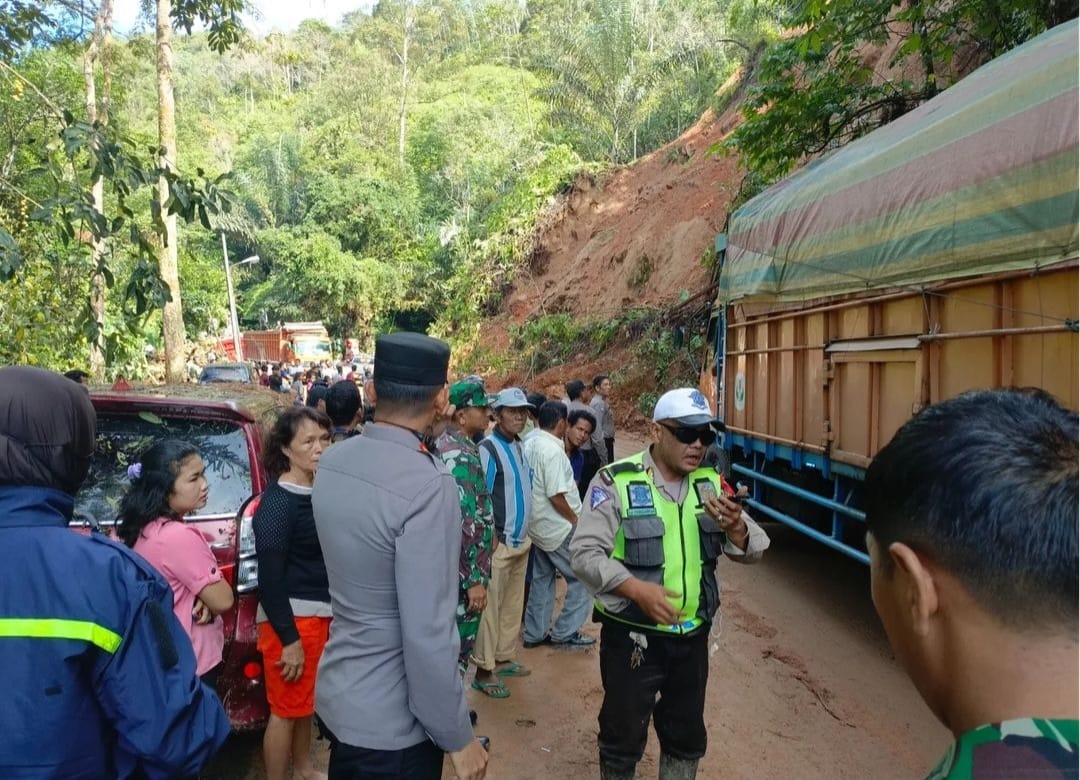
234, 322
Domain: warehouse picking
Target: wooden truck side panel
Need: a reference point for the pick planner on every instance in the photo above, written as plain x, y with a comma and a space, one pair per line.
843, 376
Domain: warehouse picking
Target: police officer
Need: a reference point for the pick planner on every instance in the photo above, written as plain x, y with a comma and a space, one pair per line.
651, 531
98, 675
388, 688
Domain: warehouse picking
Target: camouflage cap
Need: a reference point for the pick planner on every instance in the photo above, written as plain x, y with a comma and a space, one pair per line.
464, 394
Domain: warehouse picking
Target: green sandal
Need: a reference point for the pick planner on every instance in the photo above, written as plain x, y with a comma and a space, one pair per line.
496, 690
512, 669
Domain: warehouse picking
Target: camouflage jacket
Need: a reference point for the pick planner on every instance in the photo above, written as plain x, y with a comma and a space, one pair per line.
462, 457
1027, 747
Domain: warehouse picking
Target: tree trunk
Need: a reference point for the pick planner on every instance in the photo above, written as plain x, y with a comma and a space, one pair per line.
98, 50
403, 57
172, 317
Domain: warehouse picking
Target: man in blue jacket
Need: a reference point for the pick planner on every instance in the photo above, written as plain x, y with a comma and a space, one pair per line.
98, 676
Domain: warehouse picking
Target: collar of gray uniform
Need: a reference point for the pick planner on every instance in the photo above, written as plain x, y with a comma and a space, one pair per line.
676, 491
394, 433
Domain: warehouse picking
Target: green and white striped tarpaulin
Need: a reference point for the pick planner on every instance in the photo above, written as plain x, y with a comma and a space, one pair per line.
980, 179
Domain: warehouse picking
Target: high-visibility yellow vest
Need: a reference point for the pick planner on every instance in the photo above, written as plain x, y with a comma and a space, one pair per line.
676, 545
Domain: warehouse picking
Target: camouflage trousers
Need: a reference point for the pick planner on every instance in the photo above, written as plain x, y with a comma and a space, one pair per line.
468, 624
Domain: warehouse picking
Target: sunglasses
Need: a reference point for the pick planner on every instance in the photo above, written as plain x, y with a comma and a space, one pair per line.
690, 435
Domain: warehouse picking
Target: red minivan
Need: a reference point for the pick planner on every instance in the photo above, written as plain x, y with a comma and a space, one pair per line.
226, 423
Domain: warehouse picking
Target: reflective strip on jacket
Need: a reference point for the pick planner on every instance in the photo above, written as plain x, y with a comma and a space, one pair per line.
98, 676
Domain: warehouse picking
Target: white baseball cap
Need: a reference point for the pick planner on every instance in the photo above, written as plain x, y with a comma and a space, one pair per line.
511, 398
685, 405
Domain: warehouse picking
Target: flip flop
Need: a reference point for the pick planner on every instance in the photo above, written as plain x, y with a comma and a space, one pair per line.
512, 669
496, 690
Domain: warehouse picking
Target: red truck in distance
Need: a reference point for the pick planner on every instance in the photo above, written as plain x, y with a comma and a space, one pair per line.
307, 342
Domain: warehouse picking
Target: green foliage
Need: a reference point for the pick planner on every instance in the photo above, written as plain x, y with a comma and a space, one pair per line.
63, 221
625, 76
646, 402
20, 23
221, 19
546, 341
817, 90
307, 126
643, 269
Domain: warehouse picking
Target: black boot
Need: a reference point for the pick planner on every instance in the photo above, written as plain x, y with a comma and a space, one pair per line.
677, 768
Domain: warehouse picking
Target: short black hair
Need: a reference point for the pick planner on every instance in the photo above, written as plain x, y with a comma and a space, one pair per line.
77, 375
342, 402
317, 392
536, 399
394, 396
550, 414
577, 414
574, 389
986, 485
598, 380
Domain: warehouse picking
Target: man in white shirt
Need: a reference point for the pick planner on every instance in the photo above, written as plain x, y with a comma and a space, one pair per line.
555, 509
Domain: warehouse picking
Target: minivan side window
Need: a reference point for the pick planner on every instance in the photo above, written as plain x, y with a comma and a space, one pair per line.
122, 438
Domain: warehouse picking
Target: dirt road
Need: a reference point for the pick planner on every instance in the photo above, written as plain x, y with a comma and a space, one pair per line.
802, 685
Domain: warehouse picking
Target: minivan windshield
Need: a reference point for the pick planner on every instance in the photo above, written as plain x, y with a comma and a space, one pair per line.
312, 348
122, 438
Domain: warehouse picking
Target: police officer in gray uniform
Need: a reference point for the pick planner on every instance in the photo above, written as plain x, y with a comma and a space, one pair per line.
389, 521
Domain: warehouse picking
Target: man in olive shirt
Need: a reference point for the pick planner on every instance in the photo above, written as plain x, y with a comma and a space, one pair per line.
388, 689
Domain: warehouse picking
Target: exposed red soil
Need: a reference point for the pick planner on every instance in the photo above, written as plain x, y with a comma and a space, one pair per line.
636, 236
633, 237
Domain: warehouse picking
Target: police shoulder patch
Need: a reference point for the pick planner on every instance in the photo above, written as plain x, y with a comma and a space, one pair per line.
598, 496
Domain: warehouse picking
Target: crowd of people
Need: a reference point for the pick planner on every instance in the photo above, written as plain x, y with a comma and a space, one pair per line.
403, 561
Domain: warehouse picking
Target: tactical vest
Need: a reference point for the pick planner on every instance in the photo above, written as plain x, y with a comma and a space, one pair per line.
669, 544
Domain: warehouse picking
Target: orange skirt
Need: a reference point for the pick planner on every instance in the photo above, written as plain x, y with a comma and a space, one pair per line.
293, 699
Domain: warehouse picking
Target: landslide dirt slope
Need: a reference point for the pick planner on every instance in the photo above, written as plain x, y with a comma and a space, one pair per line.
633, 237
637, 235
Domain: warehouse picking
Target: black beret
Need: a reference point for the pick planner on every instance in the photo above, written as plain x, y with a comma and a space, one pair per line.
411, 359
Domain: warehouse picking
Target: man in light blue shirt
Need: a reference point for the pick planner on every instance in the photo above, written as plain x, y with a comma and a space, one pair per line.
509, 480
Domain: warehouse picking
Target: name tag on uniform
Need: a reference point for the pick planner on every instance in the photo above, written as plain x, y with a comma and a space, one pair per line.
639, 500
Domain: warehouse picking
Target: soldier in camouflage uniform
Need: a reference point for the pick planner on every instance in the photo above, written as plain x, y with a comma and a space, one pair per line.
1046, 749
971, 516
462, 457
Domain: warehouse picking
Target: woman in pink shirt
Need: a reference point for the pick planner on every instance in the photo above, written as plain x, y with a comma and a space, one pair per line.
167, 484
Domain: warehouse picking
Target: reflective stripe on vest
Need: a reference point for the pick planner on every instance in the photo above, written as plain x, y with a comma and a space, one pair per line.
681, 540
56, 628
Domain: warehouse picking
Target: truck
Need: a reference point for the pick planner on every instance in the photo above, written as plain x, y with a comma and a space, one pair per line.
935, 255
308, 342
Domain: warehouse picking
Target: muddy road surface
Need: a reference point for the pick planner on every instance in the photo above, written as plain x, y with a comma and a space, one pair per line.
802, 685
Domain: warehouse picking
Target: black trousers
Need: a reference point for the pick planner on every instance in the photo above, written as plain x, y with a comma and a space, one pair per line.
423, 761
609, 443
676, 668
